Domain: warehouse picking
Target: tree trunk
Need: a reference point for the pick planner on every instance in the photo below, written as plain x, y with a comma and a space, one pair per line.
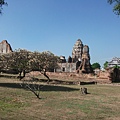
24, 73
20, 77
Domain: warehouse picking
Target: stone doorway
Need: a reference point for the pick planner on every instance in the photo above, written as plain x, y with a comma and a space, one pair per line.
63, 69
78, 64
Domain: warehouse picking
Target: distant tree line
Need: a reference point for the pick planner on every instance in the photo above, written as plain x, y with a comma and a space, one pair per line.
96, 66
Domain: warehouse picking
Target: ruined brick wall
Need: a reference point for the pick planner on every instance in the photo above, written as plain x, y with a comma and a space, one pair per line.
5, 47
103, 75
114, 75
66, 67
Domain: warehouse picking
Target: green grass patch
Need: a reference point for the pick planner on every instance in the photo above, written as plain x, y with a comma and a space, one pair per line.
59, 102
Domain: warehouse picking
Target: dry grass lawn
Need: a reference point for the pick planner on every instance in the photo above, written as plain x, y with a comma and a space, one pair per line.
59, 102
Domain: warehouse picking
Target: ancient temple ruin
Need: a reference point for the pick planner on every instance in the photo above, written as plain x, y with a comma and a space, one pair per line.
80, 60
77, 51
5, 47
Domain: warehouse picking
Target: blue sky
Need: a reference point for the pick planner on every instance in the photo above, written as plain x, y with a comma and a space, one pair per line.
55, 25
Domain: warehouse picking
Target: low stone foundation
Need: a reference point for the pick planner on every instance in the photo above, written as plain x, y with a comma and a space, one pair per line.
102, 77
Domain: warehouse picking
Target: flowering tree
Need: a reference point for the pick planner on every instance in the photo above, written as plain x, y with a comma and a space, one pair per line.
23, 61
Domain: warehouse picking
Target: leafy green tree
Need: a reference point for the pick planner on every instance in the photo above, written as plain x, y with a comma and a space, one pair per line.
2, 2
20, 61
105, 64
25, 61
116, 7
95, 66
17, 61
116, 66
45, 60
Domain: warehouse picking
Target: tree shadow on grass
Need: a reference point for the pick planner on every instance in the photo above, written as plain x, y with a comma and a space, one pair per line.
42, 87
57, 81
57, 88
